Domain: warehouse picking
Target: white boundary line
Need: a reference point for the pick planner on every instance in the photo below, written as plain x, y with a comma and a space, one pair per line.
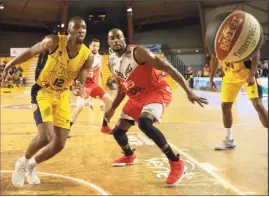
223, 182
95, 187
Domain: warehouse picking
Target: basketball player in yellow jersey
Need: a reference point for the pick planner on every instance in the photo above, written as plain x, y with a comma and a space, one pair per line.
237, 75
68, 59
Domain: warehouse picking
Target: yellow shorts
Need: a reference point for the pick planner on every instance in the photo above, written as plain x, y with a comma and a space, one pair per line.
230, 89
51, 106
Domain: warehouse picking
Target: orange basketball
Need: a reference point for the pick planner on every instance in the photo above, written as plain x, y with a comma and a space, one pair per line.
234, 36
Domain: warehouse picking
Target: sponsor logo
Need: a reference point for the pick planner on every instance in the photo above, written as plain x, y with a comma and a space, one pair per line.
249, 41
228, 33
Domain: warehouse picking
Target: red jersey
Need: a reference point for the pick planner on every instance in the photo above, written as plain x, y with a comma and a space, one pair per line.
93, 74
138, 81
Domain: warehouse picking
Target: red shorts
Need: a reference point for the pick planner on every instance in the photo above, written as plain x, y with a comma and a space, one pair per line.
153, 103
93, 91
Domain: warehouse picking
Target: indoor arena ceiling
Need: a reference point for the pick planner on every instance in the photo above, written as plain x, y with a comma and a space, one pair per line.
46, 13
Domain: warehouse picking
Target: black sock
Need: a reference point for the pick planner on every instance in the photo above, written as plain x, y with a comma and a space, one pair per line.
104, 122
127, 151
71, 123
170, 154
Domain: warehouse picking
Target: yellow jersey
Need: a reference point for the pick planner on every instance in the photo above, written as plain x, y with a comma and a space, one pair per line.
60, 70
235, 71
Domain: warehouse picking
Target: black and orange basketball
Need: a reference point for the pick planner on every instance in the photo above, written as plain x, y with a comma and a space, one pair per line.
234, 36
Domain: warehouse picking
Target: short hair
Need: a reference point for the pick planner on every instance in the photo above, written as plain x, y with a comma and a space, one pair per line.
75, 18
94, 40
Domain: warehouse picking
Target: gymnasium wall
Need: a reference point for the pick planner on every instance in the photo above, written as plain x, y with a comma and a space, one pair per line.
12, 39
185, 36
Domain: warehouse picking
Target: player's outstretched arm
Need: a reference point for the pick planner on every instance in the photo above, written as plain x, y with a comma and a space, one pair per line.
144, 56
119, 98
48, 44
82, 75
115, 104
85, 68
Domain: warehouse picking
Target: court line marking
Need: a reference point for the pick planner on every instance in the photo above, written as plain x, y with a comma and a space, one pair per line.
97, 188
222, 181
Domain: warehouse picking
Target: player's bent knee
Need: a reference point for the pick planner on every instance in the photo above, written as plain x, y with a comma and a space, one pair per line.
118, 133
145, 124
59, 146
42, 140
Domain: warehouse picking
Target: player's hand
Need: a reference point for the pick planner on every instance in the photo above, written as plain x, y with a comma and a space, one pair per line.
250, 80
194, 98
109, 114
213, 86
77, 88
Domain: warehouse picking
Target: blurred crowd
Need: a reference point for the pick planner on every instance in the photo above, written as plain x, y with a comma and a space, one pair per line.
14, 78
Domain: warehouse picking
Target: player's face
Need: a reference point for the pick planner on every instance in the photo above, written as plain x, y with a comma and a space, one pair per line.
94, 46
77, 30
116, 40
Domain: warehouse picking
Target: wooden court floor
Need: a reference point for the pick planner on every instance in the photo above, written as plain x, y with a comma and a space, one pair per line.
84, 166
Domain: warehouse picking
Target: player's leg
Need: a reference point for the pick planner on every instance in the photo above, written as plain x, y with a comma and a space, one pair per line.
61, 115
151, 113
43, 118
256, 98
79, 106
90, 103
129, 114
107, 101
81, 102
102, 105
229, 92
55, 146
98, 92
119, 133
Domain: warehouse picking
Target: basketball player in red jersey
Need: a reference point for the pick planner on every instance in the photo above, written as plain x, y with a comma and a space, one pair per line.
136, 71
91, 87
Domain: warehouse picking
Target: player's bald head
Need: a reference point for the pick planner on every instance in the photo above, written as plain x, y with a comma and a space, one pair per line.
116, 40
115, 31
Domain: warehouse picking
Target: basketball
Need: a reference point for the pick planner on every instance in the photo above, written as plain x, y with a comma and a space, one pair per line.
234, 36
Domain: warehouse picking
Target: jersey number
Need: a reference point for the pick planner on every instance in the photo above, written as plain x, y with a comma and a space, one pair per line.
58, 82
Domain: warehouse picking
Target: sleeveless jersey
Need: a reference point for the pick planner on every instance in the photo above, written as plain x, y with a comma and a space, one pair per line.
136, 80
60, 70
93, 74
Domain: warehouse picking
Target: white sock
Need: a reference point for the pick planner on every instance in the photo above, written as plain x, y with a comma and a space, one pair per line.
24, 160
32, 162
229, 133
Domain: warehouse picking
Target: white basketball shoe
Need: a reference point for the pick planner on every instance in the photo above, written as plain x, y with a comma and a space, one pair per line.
31, 175
19, 173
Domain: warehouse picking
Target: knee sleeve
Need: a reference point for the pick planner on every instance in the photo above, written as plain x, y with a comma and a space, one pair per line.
146, 125
120, 136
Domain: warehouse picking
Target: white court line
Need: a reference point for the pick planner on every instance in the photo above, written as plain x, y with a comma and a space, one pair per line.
95, 187
223, 182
